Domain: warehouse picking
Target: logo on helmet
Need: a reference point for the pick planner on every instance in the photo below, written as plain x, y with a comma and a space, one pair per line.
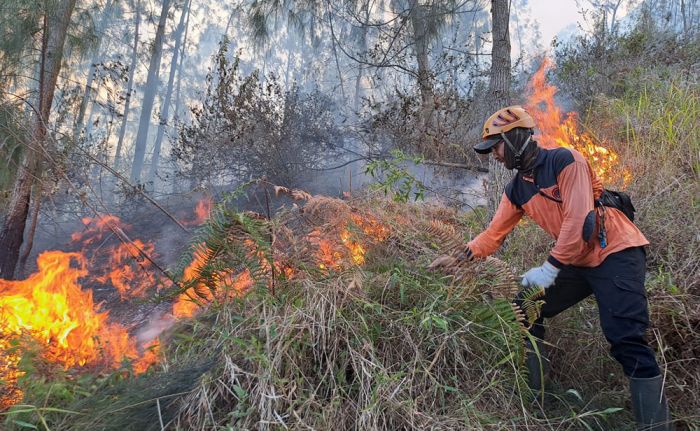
503, 120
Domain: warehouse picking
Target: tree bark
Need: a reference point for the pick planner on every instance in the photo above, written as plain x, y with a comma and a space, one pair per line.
11, 236
29, 243
335, 53
499, 90
130, 85
178, 93
149, 96
421, 41
362, 46
165, 106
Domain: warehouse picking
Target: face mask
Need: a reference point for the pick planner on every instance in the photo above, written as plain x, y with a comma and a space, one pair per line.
514, 157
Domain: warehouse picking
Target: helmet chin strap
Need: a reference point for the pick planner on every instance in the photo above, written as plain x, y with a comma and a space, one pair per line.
517, 153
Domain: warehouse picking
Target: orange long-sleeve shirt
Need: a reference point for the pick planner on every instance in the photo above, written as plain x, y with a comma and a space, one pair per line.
560, 198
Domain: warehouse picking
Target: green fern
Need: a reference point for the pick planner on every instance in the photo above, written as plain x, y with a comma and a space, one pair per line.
229, 242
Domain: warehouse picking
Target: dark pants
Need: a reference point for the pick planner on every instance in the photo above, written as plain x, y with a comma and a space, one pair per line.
618, 286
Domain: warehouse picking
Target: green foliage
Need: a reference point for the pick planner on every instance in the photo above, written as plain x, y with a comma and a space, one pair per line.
393, 177
19, 20
44, 386
221, 241
607, 63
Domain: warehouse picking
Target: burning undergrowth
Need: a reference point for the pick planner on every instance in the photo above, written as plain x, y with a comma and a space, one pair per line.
323, 316
63, 311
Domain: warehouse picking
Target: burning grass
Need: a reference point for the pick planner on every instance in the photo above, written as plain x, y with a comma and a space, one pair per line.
325, 316
379, 345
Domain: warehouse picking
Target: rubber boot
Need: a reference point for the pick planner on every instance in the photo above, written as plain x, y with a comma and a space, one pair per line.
649, 404
537, 365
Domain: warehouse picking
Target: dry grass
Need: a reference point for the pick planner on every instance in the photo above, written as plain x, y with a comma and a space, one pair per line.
386, 345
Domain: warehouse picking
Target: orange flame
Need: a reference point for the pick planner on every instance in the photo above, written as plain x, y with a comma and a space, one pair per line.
559, 130
51, 308
188, 302
357, 252
95, 228
128, 281
202, 211
185, 306
330, 254
128, 270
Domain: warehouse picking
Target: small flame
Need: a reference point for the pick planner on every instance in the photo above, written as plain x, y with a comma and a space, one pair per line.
128, 270
331, 254
188, 302
185, 305
357, 252
559, 130
202, 210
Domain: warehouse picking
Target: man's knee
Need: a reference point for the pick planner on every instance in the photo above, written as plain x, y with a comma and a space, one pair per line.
636, 357
624, 317
627, 337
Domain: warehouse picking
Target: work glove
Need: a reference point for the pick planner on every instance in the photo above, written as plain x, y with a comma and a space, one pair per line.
542, 276
447, 260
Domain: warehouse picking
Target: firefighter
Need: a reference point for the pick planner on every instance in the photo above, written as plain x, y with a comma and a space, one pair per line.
598, 251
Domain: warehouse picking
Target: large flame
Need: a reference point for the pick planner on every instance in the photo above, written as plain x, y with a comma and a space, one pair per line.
561, 130
51, 308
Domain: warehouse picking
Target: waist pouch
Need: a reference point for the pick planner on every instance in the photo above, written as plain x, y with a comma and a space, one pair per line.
618, 200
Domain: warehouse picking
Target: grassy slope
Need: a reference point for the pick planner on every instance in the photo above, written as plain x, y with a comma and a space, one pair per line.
388, 345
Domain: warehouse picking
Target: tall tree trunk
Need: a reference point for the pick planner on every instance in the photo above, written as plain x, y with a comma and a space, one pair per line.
499, 89
130, 86
54, 35
29, 243
178, 93
421, 41
165, 106
685, 21
362, 45
148, 97
290, 55
77, 128
335, 53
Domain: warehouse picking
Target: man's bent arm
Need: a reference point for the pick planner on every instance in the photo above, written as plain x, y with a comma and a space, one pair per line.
506, 217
